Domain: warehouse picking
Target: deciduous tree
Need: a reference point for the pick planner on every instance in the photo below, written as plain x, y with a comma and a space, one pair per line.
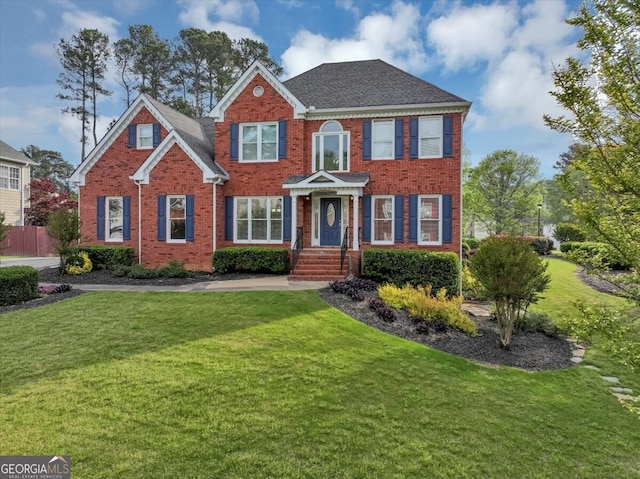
502, 192
601, 92
44, 200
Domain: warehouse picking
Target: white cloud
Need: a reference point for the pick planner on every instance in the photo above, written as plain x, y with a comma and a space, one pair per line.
394, 37
198, 11
76, 19
39, 15
472, 34
514, 50
349, 6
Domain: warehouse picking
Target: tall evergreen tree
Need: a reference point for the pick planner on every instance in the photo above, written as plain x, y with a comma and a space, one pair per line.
50, 166
152, 62
84, 63
124, 52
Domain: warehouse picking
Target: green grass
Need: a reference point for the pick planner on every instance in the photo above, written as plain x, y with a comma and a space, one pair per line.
278, 384
557, 302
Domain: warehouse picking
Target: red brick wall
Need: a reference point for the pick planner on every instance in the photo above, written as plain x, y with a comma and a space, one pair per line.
425, 176
174, 174
177, 174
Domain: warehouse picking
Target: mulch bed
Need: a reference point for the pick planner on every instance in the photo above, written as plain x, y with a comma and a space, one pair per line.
531, 351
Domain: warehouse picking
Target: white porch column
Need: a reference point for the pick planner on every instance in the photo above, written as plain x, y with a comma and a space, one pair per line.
356, 221
294, 218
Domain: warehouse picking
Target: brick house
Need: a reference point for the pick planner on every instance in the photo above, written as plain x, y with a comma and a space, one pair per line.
346, 156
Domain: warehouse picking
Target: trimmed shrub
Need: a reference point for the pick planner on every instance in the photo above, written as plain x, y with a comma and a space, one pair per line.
251, 259
588, 251
420, 303
108, 257
18, 284
383, 311
175, 269
472, 243
538, 322
353, 287
78, 263
417, 268
471, 287
564, 232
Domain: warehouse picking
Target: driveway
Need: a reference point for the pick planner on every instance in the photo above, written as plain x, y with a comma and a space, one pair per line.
38, 263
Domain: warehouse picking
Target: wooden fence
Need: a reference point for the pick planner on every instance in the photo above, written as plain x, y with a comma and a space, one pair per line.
28, 241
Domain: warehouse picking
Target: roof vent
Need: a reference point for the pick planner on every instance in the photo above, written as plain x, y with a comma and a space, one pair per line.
258, 91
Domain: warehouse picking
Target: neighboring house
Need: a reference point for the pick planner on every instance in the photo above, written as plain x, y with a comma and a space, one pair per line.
356, 154
15, 175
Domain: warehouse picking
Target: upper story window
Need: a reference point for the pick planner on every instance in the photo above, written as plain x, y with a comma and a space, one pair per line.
430, 137
430, 219
145, 136
9, 177
331, 148
382, 139
259, 142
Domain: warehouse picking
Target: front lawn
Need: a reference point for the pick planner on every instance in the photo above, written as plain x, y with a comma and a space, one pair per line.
278, 384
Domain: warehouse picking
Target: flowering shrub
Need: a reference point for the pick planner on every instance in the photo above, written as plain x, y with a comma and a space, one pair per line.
78, 263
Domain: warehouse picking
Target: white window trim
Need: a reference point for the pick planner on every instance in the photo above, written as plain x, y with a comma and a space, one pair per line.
269, 240
373, 219
107, 225
139, 136
168, 219
344, 136
9, 178
419, 230
259, 142
440, 137
373, 140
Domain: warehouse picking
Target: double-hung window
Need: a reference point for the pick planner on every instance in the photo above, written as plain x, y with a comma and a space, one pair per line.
331, 148
145, 136
176, 218
259, 142
430, 137
382, 218
430, 219
9, 177
383, 138
258, 219
114, 218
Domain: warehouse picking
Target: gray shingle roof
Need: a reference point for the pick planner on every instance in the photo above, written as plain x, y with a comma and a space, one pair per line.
7, 152
364, 84
197, 133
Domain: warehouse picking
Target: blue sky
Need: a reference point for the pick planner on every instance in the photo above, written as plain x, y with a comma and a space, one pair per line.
498, 55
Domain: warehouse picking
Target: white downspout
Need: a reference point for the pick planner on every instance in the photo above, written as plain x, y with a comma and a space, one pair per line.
78, 209
214, 230
139, 183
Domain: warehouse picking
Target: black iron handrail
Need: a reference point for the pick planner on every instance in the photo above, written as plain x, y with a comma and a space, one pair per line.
344, 247
297, 247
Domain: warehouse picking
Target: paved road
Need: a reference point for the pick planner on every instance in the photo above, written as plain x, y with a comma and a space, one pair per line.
38, 263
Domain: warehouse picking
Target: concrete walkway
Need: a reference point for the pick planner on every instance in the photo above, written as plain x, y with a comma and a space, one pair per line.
38, 263
275, 283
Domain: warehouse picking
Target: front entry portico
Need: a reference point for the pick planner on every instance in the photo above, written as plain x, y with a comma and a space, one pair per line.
335, 206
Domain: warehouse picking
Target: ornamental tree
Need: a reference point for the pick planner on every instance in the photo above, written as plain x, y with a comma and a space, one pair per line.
45, 199
512, 275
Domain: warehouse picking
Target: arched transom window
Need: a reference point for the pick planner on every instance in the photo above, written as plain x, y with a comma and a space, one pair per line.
331, 148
